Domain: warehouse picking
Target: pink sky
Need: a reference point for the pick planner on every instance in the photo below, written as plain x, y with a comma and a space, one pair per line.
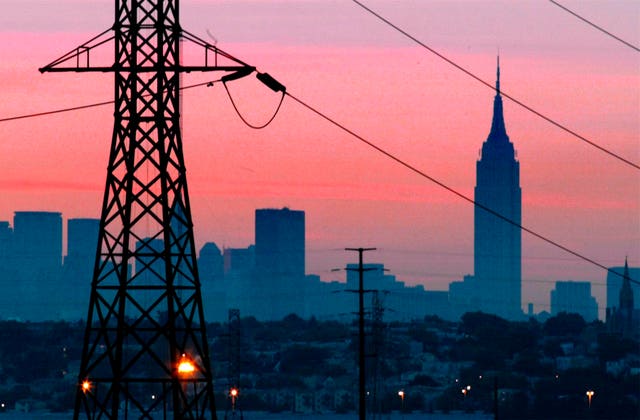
341, 60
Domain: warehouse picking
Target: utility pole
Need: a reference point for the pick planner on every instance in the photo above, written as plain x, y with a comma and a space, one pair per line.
234, 351
377, 334
495, 397
145, 350
361, 356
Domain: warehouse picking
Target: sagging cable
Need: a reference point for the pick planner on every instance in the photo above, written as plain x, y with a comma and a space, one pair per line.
268, 81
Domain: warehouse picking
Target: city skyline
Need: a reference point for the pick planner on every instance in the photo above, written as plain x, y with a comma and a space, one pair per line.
353, 197
234, 278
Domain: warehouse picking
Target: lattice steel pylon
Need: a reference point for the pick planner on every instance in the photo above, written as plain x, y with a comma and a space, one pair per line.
145, 351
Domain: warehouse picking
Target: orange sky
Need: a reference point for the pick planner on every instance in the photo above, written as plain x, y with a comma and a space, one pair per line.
381, 86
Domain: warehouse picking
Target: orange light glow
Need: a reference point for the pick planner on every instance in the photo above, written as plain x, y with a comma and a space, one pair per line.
186, 366
233, 392
86, 386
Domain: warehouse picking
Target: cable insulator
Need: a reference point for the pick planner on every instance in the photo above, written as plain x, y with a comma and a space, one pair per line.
271, 83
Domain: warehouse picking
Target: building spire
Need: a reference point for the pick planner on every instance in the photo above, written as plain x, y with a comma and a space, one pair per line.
626, 293
498, 77
498, 130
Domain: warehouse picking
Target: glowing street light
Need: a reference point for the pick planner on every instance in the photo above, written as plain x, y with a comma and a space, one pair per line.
86, 386
590, 393
186, 366
233, 393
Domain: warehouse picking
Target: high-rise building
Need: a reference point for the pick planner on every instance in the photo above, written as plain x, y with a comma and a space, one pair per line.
7, 272
280, 262
623, 317
82, 244
6, 239
574, 297
497, 243
82, 239
37, 241
280, 242
38, 238
615, 279
212, 285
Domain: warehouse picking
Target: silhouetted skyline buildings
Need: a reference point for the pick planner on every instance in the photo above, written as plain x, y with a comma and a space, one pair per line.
574, 297
268, 279
41, 288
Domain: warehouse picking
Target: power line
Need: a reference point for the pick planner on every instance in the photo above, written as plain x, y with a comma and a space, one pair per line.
601, 29
489, 85
93, 105
448, 188
388, 154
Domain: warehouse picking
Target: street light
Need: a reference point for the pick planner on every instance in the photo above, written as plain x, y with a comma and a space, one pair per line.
86, 386
401, 395
590, 394
186, 366
233, 393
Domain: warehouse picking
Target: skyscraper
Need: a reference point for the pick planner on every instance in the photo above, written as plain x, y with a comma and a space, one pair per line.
615, 280
280, 242
82, 239
82, 244
624, 318
280, 262
497, 244
37, 237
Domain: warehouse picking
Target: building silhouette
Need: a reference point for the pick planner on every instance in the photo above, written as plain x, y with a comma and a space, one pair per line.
212, 285
574, 297
37, 266
82, 244
280, 261
497, 244
624, 318
280, 242
615, 277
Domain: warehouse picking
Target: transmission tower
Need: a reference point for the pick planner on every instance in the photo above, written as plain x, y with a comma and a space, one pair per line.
145, 352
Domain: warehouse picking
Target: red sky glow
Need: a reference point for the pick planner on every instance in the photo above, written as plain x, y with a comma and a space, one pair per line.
341, 60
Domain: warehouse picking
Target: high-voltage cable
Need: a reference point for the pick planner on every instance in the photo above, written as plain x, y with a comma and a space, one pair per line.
93, 105
489, 85
450, 189
600, 28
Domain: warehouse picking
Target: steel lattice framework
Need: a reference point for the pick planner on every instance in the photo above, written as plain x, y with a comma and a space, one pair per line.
145, 349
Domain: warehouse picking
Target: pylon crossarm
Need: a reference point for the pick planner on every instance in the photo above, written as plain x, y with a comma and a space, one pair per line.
78, 58
210, 49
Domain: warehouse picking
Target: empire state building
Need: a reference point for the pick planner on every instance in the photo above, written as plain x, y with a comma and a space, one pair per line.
497, 244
